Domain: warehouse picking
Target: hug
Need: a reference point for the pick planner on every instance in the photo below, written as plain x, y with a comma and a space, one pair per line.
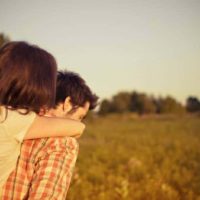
41, 111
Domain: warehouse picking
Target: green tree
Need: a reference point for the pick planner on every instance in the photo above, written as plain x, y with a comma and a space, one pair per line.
192, 104
141, 103
121, 102
3, 39
169, 105
105, 107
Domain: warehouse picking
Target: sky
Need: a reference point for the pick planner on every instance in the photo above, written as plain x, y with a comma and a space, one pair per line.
150, 46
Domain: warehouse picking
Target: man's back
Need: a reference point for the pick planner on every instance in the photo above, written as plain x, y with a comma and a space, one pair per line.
44, 169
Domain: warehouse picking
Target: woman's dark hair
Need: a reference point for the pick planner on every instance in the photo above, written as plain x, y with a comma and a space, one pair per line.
27, 77
70, 84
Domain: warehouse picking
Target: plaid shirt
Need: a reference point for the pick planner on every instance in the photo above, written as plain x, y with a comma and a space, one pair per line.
44, 170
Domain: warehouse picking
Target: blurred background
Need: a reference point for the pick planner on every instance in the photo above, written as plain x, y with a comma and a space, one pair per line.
142, 58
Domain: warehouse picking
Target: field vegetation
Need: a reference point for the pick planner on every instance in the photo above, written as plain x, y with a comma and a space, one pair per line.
130, 157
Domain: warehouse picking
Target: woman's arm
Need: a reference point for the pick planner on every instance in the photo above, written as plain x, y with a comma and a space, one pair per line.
54, 127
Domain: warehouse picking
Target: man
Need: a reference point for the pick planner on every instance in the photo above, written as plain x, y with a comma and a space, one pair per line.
44, 168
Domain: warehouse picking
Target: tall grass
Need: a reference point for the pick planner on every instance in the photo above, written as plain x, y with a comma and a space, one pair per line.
146, 158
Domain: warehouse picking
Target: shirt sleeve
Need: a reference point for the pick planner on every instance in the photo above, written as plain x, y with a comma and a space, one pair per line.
18, 124
53, 169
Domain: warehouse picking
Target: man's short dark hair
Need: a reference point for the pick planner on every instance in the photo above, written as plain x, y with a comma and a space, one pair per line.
70, 84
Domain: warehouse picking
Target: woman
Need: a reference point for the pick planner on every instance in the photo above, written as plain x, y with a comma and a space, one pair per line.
27, 91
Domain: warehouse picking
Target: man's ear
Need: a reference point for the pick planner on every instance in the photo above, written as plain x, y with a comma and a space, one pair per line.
67, 105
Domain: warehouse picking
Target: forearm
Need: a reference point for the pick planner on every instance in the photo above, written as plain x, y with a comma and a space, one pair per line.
54, 127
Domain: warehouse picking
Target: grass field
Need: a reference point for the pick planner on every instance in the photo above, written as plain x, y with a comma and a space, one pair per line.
138, 158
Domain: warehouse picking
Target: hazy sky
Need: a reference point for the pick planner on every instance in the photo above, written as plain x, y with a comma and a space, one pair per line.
151, 46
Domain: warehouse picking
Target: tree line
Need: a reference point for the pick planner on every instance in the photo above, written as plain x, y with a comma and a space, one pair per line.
142, 103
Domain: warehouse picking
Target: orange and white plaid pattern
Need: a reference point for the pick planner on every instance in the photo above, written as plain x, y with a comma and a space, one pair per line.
43, 171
